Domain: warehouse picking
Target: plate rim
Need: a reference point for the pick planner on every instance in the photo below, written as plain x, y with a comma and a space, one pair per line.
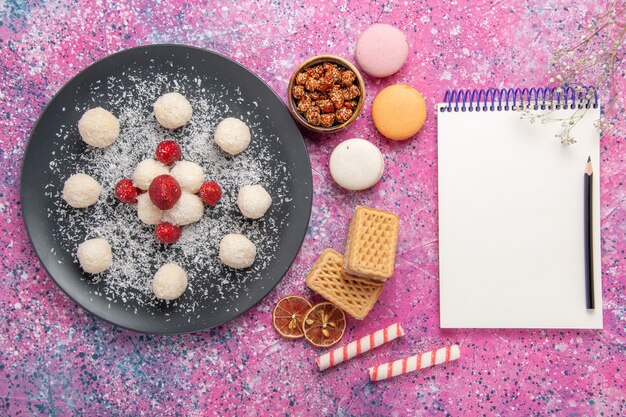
22, 191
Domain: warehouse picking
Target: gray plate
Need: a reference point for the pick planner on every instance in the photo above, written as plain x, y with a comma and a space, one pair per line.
291, 150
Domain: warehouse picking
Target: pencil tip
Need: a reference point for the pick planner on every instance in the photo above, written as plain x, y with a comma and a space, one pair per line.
588, 168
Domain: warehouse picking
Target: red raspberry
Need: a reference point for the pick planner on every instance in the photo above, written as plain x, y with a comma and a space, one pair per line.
126, 192
210, 192
167, 233
168, 152
164, 191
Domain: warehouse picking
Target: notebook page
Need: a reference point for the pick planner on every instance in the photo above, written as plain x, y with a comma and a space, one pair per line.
511, 237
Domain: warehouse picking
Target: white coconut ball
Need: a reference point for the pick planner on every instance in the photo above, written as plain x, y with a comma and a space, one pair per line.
148, 212
169, 282
99, 127
189, 175
146, 171
172, 110
94, 255
232, 135
188, 209
237, 251
253, 201
81, 190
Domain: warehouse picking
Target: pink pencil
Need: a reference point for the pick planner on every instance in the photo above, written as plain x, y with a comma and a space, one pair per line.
413, 363
352, 349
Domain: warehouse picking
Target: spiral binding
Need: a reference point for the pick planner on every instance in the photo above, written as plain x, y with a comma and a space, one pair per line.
493, 99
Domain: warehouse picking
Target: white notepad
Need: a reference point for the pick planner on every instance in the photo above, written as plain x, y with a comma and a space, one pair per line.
511, 216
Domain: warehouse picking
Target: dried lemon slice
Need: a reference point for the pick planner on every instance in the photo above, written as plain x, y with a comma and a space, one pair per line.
288, 315
324, 325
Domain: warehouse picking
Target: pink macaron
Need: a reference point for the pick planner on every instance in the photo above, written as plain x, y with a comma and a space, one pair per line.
381, 50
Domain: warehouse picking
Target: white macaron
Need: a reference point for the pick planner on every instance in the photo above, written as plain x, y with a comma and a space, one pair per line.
356, 164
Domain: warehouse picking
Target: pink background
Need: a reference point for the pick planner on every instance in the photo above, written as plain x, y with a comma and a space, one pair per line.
57, 359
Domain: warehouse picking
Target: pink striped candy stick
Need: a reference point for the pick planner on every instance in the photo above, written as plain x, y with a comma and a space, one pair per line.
352, 349
413, 363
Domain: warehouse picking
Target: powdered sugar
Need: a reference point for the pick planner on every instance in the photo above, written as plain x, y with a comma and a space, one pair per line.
136, 254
